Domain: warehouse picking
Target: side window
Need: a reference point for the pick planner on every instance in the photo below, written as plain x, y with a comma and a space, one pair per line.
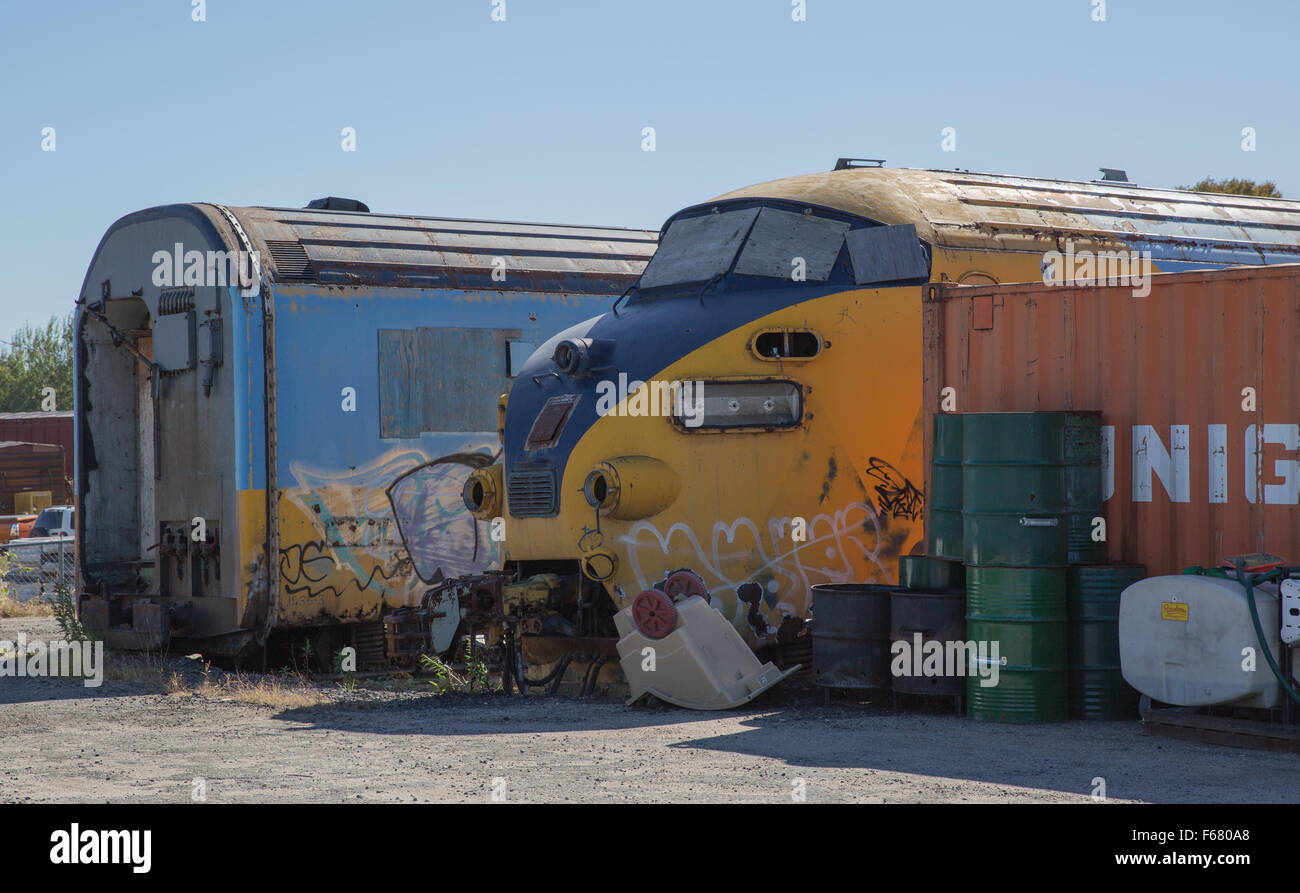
887, 254
441, 379
787, 344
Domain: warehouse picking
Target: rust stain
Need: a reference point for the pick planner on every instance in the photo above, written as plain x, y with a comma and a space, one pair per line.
1194, 471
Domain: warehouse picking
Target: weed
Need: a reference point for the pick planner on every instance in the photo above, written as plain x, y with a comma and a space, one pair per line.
347, 667
445, 678
65, 615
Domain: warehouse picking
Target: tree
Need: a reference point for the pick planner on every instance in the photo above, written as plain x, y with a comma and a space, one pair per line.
34, 360
1233, 186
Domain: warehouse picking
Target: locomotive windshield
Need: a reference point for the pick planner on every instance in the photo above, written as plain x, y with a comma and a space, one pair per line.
772, 245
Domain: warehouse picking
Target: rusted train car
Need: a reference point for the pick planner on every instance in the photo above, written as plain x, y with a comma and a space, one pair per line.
54, 427
276, 410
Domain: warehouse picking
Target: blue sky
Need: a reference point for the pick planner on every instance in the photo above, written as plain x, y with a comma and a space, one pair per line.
540, 117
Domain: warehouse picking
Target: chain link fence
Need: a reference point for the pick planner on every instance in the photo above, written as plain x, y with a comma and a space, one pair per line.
38, 570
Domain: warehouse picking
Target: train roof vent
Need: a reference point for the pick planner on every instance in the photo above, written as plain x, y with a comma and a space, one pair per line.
291, 261
332, 203
844, 164
1113, 175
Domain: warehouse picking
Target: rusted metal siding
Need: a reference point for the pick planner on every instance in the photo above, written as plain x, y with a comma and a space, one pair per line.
1192, 471
26, 467
40, 427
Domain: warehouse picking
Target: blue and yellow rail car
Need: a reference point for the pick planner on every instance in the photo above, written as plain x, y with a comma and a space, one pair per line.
277, 409
797, 305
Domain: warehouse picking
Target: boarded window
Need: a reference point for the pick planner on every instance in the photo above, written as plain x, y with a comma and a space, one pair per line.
780, 237
695, 249
443, 379
887, 254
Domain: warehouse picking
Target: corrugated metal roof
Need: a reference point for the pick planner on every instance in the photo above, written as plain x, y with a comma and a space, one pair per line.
958, 209
20, 416
351, 248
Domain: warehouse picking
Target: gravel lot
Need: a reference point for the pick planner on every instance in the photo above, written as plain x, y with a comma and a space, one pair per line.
130, 741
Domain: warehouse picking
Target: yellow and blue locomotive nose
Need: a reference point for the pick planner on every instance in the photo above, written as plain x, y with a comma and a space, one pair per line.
687, 428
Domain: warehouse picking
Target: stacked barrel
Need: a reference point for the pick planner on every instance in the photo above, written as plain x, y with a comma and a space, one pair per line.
1015, 519
1016, 497
1097, 688
929, 604
943, 526
1083, 487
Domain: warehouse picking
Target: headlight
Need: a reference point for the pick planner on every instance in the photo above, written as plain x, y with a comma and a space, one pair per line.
482, 492
573, 356
631, 487
739, 404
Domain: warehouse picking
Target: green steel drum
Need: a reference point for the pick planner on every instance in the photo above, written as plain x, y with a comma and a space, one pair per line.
1023, 610
1083, 486
1097, 688
1014, 489
925, 572
944, 523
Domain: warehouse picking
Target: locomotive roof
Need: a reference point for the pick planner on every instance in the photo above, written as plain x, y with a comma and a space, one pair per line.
959, 209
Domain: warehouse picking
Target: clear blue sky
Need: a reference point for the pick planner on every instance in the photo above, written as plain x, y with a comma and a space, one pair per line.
539, 117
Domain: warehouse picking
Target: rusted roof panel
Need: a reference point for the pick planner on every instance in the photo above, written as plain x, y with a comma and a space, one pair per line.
963, 210
353, 248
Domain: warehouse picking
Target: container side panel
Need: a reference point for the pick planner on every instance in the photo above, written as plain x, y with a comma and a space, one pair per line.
1198, 383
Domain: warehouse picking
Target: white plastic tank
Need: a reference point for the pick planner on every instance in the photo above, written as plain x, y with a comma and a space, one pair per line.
1183, 640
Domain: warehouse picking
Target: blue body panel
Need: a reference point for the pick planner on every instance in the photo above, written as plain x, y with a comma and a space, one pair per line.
327, 341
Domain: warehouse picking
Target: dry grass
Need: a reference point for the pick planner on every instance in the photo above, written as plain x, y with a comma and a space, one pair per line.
36, 607
282, 692
140, 671
266, 691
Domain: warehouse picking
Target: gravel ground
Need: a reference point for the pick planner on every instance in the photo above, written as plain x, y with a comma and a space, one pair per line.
131, 741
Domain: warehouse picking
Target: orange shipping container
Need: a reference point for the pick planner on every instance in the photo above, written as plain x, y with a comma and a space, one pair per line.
1198, 383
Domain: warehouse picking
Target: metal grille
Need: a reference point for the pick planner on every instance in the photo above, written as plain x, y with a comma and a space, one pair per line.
175, 300
291, 261
530, 490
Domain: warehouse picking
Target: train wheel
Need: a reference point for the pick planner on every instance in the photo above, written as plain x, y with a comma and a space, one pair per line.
654, 614
684, 584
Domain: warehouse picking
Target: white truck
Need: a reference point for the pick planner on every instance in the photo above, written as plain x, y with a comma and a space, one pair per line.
52, 524
44, 559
